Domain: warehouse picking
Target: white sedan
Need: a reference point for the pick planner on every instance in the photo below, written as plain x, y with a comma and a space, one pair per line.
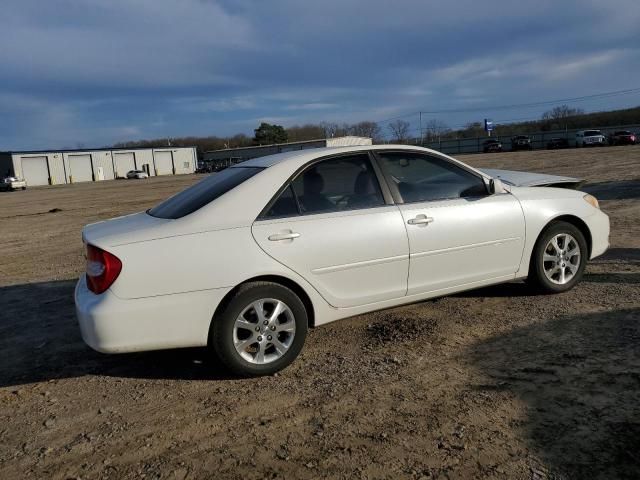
137, 174
248, 259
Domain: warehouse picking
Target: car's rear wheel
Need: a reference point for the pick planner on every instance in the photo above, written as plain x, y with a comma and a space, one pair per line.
559, 258
260, 330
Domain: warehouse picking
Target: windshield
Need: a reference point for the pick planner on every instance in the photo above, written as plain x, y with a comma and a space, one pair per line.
202, 193
592, 133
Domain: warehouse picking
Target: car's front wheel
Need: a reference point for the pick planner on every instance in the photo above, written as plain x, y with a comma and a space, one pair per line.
260, 330
559, 258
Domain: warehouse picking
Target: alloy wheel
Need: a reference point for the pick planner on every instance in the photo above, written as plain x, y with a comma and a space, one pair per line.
561, 258
264, 331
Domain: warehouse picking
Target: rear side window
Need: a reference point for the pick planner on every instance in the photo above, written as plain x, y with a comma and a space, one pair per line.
334, 185
285, 205
202, 193
345, 183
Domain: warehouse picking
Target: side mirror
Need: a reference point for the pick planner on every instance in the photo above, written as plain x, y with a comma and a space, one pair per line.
496, 186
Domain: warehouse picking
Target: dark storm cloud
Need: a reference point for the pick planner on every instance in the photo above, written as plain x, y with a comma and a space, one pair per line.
96, 72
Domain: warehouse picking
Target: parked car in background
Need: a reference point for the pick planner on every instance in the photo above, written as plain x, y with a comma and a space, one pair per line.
10, 184
622, 137
137, 174
521, 142
308, 237
590, 138
557, 142
491, 145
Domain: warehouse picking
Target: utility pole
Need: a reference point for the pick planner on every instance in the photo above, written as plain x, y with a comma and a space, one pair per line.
421, 134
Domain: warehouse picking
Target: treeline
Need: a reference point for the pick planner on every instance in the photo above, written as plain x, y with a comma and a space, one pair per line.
559, 118
265, 134
397, 131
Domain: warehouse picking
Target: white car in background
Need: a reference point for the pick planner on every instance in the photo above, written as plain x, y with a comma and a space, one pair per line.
12, 183
590, 138
137, 174
248, 259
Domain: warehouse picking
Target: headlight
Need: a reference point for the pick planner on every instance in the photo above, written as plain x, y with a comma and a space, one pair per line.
591, 200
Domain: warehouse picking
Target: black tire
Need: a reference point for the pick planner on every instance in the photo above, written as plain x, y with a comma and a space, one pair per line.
221, 335
537, 277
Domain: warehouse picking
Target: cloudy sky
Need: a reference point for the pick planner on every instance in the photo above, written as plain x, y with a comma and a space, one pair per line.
94, 72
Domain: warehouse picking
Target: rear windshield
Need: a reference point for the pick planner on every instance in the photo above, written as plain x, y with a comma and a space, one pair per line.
202, 193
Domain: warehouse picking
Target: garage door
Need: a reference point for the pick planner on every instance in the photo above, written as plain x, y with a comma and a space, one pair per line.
164, 163
80, 168
124, 162
35, 170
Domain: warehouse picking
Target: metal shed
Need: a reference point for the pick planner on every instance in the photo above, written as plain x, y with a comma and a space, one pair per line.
229, 156
73, 166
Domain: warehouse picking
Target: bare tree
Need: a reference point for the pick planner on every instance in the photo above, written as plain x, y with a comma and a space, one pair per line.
434, 129
562, 111
330, 129
367, 129
400, 130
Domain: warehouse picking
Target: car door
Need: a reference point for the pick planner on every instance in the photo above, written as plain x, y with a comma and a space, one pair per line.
458, 233
333, 225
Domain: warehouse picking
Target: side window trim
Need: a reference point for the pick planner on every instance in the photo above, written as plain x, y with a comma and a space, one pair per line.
394, 189
383, 181
387, 193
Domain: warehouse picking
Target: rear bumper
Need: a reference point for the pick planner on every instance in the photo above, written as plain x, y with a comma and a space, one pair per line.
110, 324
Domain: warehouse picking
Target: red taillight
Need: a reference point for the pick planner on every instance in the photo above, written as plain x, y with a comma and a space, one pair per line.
102, 269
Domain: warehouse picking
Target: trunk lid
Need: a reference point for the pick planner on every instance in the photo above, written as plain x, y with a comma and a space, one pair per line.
136, 227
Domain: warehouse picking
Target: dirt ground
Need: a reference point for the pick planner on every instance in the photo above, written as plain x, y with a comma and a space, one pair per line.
492, 383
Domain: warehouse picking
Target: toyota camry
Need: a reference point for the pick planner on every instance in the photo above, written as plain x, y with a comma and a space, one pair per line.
248, 259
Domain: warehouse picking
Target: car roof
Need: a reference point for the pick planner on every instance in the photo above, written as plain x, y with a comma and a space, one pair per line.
304, 156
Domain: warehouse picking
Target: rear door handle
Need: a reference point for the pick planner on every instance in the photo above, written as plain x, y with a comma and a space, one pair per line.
420, 220
278, 237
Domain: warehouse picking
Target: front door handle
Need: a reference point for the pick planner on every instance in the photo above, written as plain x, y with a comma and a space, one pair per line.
278, 237
420, 220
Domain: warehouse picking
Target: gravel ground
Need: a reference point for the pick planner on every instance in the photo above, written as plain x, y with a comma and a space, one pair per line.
492, 383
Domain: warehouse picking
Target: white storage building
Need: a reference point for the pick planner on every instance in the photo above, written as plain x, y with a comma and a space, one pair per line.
72, 166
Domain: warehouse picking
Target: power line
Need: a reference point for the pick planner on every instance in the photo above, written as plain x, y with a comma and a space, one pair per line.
539, 104
499, 122
520, 105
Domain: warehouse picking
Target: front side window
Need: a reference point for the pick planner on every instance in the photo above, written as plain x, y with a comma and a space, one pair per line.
421, 178
202, 193
338, 184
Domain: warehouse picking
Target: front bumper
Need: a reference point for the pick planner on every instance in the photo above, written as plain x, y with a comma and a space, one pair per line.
110, 324
599, 227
